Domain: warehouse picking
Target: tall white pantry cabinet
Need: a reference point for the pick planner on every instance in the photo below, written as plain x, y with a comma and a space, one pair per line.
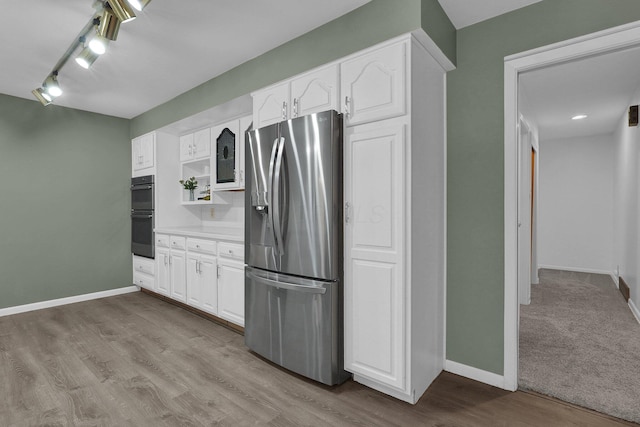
394, 194
392, 96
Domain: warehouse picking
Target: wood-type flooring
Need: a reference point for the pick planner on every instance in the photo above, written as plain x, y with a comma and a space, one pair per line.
134, 360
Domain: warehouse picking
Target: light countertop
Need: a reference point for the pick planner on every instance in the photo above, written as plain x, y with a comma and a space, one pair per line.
234, 234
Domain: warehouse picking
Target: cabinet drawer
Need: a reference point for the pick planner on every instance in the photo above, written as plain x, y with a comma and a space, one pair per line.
178, 242
202, 246
144, 280
231, 250
162, 240
144, 265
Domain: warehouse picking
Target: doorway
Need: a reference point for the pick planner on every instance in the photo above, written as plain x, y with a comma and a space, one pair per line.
515, 255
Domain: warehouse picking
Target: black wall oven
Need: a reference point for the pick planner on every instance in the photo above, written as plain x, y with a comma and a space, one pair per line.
142, 216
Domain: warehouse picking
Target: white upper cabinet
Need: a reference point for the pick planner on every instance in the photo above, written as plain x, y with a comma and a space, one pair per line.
143, 154
226, 163
373, 85
271, 105
315, 92
186, 147
195, 145
312, 92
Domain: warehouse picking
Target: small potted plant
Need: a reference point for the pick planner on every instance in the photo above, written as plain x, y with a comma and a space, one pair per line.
189, 184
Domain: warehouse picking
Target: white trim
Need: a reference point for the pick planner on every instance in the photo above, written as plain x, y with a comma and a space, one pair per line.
474, 373
616, 38
64, 301
634, 310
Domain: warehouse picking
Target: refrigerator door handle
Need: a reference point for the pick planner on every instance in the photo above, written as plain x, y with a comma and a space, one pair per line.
277, 217
287, 285
270, 200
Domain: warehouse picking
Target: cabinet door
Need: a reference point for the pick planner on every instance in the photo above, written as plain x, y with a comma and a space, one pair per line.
226, 165
194, 293
208, 275
186, 147
178, 276
271, 105
163, 271
373, 85
202, 144
142, 152
374, 276
231, 291
315, 92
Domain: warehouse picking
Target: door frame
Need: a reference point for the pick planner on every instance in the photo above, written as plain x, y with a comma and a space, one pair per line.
621, 37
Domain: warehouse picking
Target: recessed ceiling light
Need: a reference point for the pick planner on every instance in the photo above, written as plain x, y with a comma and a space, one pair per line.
579, 117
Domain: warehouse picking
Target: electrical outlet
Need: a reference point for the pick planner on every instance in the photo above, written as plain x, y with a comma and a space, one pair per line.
212, 212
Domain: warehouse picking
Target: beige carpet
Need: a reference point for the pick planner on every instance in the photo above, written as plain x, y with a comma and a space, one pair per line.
579, 342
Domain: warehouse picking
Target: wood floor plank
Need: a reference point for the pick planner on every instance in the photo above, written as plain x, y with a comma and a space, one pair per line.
133, 360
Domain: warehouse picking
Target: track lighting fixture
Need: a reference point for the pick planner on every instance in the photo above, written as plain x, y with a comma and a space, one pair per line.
122, 10
42, 96
92, 41
139, 4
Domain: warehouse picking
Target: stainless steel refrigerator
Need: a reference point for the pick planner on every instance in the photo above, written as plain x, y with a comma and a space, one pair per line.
294, 245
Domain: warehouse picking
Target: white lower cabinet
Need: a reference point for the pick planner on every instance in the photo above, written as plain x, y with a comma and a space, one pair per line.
144, 272
231, 283
203, 273
171, 265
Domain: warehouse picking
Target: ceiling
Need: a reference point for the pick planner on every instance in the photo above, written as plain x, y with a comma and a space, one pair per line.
599, 86
172, 46
463, 13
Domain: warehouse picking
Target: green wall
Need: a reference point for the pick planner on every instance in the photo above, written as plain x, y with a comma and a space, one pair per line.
475, 179
436, 23
64, 189
372, 23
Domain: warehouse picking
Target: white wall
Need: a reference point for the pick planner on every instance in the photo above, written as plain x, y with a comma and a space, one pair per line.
228, 212
626, 197
575, 222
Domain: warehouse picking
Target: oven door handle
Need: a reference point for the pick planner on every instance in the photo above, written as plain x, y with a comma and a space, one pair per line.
141, 187
143, 216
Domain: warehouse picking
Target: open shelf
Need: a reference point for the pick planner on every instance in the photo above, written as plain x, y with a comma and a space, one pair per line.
201, 170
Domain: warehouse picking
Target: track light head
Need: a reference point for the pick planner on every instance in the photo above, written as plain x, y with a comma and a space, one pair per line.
109, 25
42, 96
139, 4
122, 10
86, 58
107, 28
51, 86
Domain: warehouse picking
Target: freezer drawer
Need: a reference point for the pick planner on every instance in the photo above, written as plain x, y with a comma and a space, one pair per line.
296, 323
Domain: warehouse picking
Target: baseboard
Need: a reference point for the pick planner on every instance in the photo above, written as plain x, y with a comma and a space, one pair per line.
474, 373
634, 309
68, 300
576, 269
